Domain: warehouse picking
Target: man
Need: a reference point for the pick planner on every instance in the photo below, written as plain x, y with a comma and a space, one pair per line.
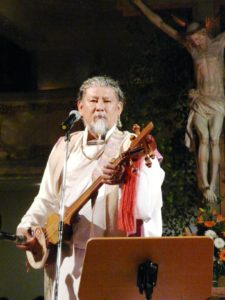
208, 102
100, 103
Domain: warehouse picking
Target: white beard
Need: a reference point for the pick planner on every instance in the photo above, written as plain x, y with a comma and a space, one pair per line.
99, 127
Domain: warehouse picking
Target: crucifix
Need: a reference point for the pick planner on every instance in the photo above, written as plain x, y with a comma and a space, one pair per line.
207, 106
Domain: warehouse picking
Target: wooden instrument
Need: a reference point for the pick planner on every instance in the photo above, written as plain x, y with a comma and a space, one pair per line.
48, 237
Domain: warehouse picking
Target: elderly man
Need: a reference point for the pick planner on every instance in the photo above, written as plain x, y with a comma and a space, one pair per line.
208, 101
100, 103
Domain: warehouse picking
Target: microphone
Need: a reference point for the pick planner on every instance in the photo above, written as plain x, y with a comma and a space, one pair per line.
68, 123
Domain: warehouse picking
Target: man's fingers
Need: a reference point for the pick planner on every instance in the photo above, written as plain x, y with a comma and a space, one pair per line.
113, 174
109, 172
110, 166
22, 247
31, 242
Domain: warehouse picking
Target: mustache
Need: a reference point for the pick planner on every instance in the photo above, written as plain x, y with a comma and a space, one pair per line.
100, 116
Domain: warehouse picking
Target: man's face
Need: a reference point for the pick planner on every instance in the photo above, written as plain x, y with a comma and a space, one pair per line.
198, 40
100, 106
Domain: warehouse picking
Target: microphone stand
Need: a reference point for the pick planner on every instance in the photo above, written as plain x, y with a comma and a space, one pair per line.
61, 215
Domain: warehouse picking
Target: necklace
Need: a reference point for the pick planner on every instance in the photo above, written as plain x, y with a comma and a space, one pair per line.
94, 157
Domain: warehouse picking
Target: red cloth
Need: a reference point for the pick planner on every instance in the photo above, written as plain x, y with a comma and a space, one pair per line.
126, 219
139, 229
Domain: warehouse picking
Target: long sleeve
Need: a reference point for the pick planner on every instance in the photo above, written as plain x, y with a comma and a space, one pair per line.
47, 199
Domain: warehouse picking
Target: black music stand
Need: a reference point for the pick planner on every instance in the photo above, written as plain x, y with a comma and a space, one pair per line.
185, 268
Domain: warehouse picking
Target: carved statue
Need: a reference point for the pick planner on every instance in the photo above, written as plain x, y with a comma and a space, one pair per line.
207, 106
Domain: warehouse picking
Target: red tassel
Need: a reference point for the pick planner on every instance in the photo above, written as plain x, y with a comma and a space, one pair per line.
126, 221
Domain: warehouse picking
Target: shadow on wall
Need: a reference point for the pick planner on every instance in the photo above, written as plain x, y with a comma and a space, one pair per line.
29, 127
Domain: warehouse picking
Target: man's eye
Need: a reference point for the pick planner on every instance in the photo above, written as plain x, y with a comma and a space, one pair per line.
107, 101
93, 100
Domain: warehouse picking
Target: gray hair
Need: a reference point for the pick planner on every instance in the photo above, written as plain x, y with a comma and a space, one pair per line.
102, 81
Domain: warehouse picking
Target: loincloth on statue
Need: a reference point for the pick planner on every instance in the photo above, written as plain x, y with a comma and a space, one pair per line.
207, 108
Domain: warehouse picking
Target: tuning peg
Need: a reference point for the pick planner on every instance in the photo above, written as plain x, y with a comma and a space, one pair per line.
132, 167
136, 129
134, 170
148, 161
132, 137
131, 163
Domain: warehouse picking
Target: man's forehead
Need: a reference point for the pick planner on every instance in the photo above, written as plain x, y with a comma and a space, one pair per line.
100, 91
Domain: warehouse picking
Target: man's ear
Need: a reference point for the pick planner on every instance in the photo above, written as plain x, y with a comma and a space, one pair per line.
80, 106
120, 107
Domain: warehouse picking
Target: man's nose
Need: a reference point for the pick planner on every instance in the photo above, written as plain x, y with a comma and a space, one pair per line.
100, 106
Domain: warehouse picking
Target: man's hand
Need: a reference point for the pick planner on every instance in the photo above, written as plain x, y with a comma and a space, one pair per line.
31, 242
112, 174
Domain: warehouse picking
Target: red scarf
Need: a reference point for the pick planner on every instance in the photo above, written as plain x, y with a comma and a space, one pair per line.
126, 219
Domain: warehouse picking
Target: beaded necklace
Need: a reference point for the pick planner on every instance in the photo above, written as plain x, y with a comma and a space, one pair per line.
94, 157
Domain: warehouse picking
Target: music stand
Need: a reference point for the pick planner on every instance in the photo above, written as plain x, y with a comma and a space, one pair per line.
185, 267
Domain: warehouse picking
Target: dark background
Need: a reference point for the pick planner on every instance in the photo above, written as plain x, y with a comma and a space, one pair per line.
47, 49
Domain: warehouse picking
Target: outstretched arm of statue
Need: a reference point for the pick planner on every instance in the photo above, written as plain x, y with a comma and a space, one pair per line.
221, 37
157, 21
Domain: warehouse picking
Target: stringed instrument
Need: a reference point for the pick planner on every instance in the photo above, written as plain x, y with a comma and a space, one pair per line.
47, 237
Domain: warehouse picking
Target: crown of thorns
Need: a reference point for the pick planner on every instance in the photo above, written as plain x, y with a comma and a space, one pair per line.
193, 27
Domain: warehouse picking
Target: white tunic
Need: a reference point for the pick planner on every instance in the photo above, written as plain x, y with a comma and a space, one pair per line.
93, 221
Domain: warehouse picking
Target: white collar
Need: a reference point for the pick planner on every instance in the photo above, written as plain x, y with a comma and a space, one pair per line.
108, 134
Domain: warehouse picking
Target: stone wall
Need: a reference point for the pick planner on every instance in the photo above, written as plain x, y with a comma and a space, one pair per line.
29, 127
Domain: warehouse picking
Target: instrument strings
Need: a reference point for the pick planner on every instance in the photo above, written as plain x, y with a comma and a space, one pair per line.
52, 228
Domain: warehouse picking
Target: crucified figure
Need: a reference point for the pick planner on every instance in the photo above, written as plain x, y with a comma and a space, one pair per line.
207, 107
